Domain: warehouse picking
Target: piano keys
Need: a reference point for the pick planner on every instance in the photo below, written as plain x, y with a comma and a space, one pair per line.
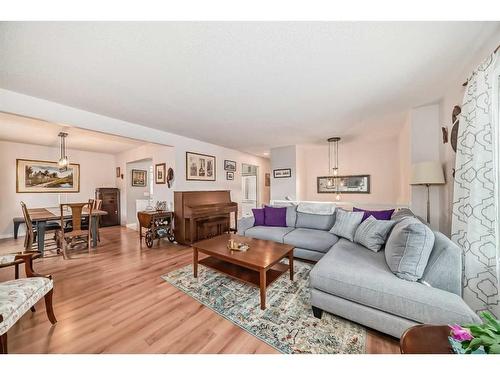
203, 214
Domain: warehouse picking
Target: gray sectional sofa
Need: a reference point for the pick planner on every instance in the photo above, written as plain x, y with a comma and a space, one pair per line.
356, 283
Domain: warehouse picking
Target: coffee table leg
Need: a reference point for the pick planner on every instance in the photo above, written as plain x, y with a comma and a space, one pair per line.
290, 262
195, 262
262, 286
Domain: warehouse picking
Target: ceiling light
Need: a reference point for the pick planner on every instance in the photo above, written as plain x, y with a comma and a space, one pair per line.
333, 164
63, 162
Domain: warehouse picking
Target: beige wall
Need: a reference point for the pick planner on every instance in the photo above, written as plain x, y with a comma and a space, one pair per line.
96, 170
378, 157
161, 192
404, 150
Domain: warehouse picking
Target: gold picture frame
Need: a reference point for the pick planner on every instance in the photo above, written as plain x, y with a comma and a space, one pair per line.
43, 176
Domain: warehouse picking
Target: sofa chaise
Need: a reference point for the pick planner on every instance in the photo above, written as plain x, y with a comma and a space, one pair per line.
356, 283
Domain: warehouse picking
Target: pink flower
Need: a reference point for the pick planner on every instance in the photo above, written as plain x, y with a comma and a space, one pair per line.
459, 333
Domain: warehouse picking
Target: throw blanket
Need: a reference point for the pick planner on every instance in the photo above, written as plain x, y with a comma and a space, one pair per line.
316, 208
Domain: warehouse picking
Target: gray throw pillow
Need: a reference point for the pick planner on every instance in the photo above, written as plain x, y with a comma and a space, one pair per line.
408, 249
314, 221
372, 233
346, 223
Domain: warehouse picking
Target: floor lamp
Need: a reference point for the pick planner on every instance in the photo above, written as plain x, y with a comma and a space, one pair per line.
427, 173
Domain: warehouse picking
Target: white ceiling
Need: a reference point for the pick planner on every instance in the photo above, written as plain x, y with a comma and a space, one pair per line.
244, 85
20, 129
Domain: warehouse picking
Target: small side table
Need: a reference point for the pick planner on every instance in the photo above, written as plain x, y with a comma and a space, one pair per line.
9, 260
158, 224
426, 339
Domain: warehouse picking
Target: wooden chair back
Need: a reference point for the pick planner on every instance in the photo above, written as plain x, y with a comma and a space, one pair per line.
30, 234
95, 203
76, 213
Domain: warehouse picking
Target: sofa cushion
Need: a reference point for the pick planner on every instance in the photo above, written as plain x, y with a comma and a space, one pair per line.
275, 234
275, 216
291, 216
258, 215
408, 248
379, 215
402, 213
17, 296
372, 233
312, 239
352, 272
314, 221
346, 224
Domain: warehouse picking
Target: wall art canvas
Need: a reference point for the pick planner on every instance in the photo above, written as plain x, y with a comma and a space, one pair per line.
200, 167
230, 165
282, 173
359, 184
38, 176
139, 178
229, 175
160, 173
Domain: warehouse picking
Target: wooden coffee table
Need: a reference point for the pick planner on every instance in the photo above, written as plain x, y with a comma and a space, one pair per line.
258, 266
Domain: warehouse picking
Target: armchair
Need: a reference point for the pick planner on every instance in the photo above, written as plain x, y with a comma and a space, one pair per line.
18, 296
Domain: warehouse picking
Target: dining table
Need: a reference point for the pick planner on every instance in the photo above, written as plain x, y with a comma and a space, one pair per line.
40, 217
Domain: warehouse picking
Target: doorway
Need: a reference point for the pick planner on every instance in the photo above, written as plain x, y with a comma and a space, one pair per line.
139, 194
249, 188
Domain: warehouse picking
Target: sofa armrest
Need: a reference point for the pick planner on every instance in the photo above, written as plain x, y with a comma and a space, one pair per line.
244, 224
444, 268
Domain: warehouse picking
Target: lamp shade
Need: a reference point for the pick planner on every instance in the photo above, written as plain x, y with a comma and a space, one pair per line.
427, 173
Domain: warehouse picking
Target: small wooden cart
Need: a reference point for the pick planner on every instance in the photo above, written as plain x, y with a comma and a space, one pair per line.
158, 224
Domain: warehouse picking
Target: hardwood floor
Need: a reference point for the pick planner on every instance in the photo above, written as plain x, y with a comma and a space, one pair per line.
114, 301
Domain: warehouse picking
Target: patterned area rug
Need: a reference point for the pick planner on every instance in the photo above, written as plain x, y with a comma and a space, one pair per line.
287, 324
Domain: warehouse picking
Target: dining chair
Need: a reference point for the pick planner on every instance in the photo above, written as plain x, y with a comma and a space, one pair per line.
31, 234
96, 205
70, 236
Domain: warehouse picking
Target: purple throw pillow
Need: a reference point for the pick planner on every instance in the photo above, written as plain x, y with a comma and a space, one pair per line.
379, 215
275, 216
258, 215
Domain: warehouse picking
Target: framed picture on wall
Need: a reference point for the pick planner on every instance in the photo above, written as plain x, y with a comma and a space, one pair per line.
139, 178
160, 173
229, 175
118, 172
200, 167
230, 165
39, 176
282, 173
359, 184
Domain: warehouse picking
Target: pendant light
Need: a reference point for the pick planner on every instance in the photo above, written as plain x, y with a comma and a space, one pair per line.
63, 162
333, 164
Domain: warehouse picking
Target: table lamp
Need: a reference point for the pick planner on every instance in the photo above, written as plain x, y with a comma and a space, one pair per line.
427, 173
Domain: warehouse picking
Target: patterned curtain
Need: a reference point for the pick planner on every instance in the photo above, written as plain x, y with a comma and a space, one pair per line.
475, 200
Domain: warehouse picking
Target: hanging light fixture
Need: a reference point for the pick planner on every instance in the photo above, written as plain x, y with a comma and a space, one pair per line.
63, 162
333, 164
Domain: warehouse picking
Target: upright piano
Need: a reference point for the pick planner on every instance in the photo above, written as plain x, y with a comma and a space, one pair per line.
203, 214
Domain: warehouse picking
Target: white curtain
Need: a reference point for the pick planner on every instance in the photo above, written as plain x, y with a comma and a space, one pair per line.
475, 217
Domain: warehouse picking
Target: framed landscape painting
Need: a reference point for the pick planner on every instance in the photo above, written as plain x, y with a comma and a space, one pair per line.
39, 176
200, 167
359, 184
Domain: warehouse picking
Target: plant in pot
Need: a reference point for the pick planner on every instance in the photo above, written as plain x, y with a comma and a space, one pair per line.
477, 338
